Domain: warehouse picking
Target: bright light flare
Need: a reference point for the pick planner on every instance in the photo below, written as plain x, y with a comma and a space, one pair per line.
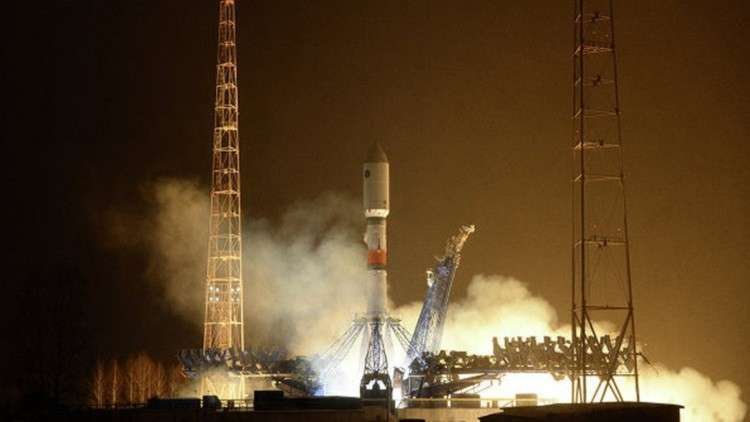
547, 389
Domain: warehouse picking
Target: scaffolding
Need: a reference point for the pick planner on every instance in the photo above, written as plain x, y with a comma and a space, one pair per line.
601, 279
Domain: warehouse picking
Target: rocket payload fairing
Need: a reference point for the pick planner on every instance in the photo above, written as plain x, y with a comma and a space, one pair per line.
376, 204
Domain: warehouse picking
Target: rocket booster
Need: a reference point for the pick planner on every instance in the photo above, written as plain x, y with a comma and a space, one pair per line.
376, 205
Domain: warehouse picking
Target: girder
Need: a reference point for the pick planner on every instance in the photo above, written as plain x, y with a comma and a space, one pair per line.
601, 278
223, 327
438, 374
428, 330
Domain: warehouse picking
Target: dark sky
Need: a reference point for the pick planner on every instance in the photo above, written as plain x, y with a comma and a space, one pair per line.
471, 101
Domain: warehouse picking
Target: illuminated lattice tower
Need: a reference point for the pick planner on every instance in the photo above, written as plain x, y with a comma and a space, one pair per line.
223, 327
604, 364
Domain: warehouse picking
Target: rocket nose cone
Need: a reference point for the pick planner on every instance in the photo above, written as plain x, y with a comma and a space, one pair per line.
376, 154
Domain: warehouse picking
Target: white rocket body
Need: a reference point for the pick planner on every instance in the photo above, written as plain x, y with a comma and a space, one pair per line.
376, 204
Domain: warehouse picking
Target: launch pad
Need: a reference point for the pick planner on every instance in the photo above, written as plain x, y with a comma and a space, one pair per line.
376, 330
446, 373
226, 368
374, 336
234, 374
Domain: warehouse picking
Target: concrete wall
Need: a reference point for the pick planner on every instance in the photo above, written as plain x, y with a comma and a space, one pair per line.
445, 414
193, 415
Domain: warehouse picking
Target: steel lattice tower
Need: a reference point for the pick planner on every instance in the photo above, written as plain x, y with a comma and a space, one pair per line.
223, 328
601, 279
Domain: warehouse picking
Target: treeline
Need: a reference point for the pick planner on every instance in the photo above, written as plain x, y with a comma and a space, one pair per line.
133, 380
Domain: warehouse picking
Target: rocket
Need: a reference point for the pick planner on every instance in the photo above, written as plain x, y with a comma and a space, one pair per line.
376, 205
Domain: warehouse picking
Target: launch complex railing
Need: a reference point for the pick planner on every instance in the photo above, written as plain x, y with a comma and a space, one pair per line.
469, 402
226, 405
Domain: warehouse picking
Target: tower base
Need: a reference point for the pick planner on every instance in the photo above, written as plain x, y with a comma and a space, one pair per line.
376, 335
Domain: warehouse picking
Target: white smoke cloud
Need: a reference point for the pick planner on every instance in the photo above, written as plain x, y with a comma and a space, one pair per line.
179, 237
496, 306
303, 284
503, 306
174, 233
704, 399
304, 276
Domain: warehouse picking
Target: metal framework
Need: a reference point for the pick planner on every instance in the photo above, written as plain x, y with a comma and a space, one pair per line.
363, 331
223, 327
267, 367
428, 332
223, 323
436, 375
375, 380
375, 333
601, 279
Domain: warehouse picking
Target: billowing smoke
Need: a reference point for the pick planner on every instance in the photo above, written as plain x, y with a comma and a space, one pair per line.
303, 276
174, 234
502, 306
494, 306
704, 399
308, 261
303, 283
179, 237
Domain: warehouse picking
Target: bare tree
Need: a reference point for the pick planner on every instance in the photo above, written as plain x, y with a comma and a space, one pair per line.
130, 380
175, 379
114, 383
140, 379
158, 380
96, 398
142, 376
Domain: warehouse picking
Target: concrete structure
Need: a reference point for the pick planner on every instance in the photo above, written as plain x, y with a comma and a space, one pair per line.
445, 414
270, 406
592, 412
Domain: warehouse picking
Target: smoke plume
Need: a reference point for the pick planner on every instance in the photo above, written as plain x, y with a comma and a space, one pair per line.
303, 283
502, 306
308, 261
303, 276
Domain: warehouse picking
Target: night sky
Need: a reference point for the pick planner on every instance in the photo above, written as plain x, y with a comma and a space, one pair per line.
470, 100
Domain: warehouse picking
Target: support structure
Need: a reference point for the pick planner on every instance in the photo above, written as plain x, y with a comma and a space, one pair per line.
223, 324
376, 383
601, 279
360, 332
375, 332
224, 314
428, 331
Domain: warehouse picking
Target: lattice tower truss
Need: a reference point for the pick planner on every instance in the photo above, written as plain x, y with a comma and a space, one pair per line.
376, 362
601, 278
428, 332
224, 314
